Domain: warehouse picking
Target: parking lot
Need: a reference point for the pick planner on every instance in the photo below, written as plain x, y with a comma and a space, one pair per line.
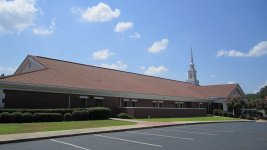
224, 136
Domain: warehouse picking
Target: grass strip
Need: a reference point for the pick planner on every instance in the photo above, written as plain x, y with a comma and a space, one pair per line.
13, 128
209, 118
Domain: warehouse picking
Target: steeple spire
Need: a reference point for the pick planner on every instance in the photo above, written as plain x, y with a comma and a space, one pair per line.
192, 61
192, 73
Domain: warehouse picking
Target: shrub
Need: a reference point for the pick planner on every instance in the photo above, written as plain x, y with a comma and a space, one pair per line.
76, 115
229, 114
17, 117
220, 113
224, 113
215, 112
242, 117
47, 117
98, 113
249, 117
124, 116
6, 117
84, 115
67, 117
27, 117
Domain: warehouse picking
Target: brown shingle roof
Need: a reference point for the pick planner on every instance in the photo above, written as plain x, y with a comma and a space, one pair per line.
73, 75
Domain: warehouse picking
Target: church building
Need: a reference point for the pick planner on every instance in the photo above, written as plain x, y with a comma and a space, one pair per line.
41, 82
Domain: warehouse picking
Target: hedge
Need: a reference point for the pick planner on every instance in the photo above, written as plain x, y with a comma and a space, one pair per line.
47, 117
16, 117
98, 113
124, 116
6, 117
51, 115
67, 117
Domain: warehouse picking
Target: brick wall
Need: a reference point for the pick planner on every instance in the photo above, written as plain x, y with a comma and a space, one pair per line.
164, 112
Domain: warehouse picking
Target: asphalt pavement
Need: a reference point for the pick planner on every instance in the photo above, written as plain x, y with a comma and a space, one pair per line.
219, 136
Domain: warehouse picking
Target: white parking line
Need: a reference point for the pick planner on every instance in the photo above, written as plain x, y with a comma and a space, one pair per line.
110, 137
167, 136
186, 132
69, 144
206, 129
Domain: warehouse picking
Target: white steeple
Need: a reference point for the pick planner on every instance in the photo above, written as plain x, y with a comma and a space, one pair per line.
192, 73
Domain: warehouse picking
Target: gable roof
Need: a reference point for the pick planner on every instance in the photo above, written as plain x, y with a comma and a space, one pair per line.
66, 74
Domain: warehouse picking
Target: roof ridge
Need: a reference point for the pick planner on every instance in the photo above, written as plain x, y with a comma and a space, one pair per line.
108, 69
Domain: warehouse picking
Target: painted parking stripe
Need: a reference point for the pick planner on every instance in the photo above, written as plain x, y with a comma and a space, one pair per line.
186, 132
69, 144
207, 129
167, 136
110, 137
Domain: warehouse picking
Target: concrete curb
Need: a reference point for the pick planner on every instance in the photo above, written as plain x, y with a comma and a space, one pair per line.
24, 137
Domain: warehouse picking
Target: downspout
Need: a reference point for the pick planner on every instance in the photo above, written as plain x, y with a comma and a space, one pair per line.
69, 99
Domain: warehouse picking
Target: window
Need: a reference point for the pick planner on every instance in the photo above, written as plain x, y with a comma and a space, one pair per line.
98, 102
134, 102
200, 105
179, 104
125, 103
154, 103
160, 103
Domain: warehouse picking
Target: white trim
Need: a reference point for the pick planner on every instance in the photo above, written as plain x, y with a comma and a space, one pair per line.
126, 100
98, 97
134, 100
84, 97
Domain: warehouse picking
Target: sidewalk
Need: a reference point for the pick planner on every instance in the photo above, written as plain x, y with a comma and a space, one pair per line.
11, 138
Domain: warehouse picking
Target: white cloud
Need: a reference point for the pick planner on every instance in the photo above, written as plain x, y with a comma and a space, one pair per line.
16, 15
7, 70
259, 88
99, 13
159, 46
142, 67
258, 50
136, 35
122, 26
155, 70
102, 54
231, 82
117, 66
45, 31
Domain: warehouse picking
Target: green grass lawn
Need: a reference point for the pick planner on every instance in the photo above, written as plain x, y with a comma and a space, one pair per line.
53, 126
208, 118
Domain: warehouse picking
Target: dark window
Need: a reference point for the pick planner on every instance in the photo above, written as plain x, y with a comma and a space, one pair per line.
83, 103
154, 104
124, 103
160, 104
133, 104
98, 102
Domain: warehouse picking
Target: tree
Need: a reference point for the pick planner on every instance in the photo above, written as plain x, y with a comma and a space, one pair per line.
235, 105
2, 75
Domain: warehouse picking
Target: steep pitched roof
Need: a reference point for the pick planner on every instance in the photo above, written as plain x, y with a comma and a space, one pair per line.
60, 73
69, 74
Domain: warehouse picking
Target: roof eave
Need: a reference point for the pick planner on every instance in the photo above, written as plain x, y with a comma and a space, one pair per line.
94, 92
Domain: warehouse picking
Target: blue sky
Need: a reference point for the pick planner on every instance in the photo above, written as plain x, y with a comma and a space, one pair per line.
229, 38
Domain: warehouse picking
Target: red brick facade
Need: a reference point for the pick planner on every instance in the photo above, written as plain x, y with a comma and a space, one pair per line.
153, 108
